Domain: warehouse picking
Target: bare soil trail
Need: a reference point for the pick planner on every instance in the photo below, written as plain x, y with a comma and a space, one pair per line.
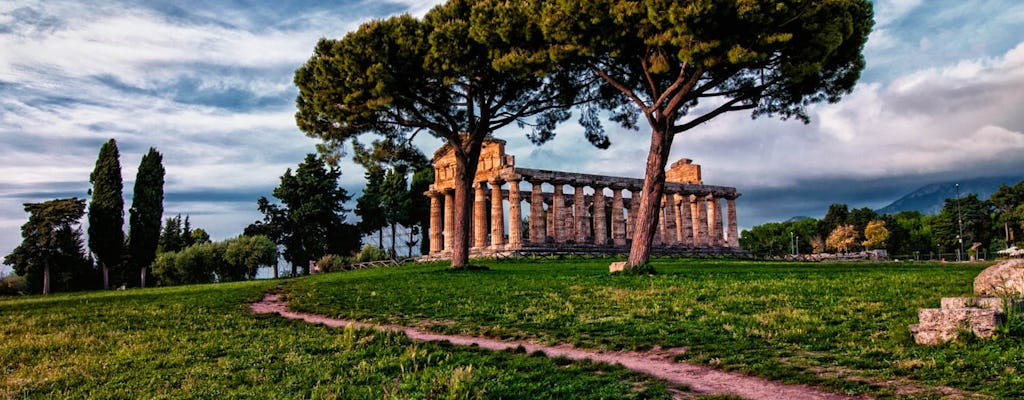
658, 363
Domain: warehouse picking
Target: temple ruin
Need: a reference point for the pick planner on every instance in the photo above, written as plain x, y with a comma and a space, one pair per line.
691, 219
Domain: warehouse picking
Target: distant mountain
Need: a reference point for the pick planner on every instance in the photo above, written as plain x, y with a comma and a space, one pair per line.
798, 218
929, 199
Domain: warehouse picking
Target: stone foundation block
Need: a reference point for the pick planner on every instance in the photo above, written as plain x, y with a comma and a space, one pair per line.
986, 302
938, 325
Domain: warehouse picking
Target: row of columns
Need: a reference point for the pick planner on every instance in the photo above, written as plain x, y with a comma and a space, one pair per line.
687, 220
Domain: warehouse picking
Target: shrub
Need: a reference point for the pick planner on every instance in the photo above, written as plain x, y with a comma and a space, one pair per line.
11, 285
333, 263
372, 253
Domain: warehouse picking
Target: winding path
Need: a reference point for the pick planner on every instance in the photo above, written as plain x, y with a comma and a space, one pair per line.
657, 363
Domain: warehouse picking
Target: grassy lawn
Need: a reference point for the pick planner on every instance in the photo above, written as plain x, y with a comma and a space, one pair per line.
841, 325
202, 342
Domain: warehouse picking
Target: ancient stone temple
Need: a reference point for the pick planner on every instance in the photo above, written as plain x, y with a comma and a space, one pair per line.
523, 210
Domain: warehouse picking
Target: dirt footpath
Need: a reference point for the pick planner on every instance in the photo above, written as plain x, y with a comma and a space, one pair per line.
657, 363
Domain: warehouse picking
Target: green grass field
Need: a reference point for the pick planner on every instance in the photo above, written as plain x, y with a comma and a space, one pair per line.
842, 326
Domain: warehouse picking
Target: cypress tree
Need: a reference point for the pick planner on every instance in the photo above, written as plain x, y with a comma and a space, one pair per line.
146, 213
106, 210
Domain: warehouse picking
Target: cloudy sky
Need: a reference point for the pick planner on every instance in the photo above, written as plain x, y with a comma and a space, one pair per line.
209, 84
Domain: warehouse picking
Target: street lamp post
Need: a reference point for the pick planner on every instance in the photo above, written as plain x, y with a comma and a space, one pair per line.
791, 241
960, 223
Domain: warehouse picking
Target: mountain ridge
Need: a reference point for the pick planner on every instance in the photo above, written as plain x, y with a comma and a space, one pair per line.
930, 198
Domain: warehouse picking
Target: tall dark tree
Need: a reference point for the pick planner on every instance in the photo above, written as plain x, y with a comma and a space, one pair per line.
836, 216
1007, 199
977, 224
369, 205
146, 213
170, 240
310, 221
457, 74
679, 64
395, 199
419, 205
52, 246
106, 211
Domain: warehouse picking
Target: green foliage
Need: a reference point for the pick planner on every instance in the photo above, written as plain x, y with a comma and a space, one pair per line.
372, 253
12, 285
310, 221
51, 254
231, 260
978, 226
419, 206
333, 263
177, 234
146, 211
106, 210
369, 206
661, 59
243, 255
779, 238
457, 74
203, 342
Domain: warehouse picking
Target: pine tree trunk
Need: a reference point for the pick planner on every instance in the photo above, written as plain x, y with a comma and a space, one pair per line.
393, 252
650, 198
463, 212
46, 276
106, 276
276, 275
142, 278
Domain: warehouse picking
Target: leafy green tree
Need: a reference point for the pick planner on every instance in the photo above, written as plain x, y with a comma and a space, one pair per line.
199, 236
243, 255
106, 211
662, 59
310, 221
145, 214
52, 246
459, 74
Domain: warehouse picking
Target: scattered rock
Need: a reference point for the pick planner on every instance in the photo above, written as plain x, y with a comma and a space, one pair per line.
617, 266
1005, 279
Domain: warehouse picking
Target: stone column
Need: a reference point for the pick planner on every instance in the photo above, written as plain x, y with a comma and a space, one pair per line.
618, 220
549, 221
435, 222
671, 237
685, 221
700, 221
480, 216
717, 232
497, 216
734, 234
600, 225
449, 219
568, 231
515, 216
558, 211
537, 225
659, 227
634, 206
581, 224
